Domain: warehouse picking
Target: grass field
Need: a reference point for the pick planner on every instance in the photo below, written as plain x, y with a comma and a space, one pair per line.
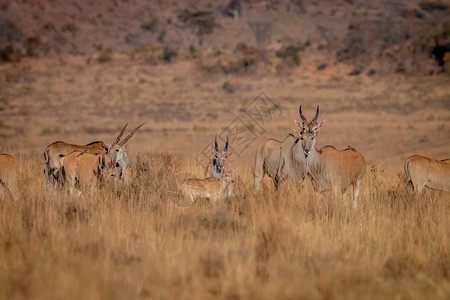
138, 241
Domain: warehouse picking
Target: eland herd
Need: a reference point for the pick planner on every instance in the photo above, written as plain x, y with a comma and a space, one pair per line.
292, 160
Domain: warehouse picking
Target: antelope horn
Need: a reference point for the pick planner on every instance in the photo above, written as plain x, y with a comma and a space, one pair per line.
226, 145
130, 135
215, 144
120, 135
316, 116
301, 115
103, 159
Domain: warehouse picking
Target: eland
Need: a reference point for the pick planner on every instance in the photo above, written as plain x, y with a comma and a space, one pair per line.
329, 168
217, 165
8, 184
211, 188
85, 170
283, 161
426, 172
55, 153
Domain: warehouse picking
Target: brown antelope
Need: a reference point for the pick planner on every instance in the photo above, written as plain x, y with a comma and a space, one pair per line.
329, 168
426, 172
8, 184
283, 160
217, 165
85, 170
267, 162
55, 153
211, 188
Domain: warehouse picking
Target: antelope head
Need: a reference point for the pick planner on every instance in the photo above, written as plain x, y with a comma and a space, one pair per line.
107, 171
117, 151
308, 131
220, 157
228, 180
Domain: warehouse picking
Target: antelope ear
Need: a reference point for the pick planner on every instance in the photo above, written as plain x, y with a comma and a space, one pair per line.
297, 132
212, 151
233, 172
320, 124
298, 124
228, 153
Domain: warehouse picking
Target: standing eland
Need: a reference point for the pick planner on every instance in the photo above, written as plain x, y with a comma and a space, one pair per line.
426, 172
329, 168
217, 165
211, 188
55, 153
283, 160
8, 184
85, 170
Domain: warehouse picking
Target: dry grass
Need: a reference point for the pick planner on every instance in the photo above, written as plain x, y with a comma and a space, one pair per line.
139, 241
133, 241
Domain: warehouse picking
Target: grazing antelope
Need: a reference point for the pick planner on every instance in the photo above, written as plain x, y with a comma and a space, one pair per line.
85, 170
282, 160
55, 153
423, 171
214, 189
217, 165
329, 168
8, 184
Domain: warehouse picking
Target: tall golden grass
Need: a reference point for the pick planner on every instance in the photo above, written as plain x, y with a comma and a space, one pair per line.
137, 241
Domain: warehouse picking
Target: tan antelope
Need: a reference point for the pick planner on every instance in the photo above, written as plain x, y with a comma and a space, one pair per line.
426, 172
55, 153
8, 183
267, 162
329, 168
217, 165
86, 170
282, 160
211, 188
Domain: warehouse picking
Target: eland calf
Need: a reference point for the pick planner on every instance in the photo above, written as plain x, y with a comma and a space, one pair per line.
426, 172
211, 188
217, 165
8, 184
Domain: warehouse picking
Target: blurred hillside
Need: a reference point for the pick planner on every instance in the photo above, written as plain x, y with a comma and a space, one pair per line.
233, 36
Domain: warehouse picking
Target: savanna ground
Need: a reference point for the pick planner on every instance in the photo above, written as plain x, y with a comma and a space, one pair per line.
136, 241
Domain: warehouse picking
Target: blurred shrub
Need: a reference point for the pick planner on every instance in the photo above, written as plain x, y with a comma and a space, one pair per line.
9, 54
150, 53
434, 5
290, 52
70, 27
104, 58
193, 52
152, 25
168, 54
201, 22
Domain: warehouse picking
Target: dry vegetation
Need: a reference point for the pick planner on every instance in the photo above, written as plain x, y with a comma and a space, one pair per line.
88, 69
134, 241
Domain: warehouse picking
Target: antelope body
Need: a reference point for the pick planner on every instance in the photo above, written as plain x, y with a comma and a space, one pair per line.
282, 160
329, 168
211, 188
426, 172
54, 156
8, 184
217, 166
85, 170
267, 162
55, 153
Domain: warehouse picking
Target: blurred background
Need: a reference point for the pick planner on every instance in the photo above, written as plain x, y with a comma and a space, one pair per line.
79, 70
